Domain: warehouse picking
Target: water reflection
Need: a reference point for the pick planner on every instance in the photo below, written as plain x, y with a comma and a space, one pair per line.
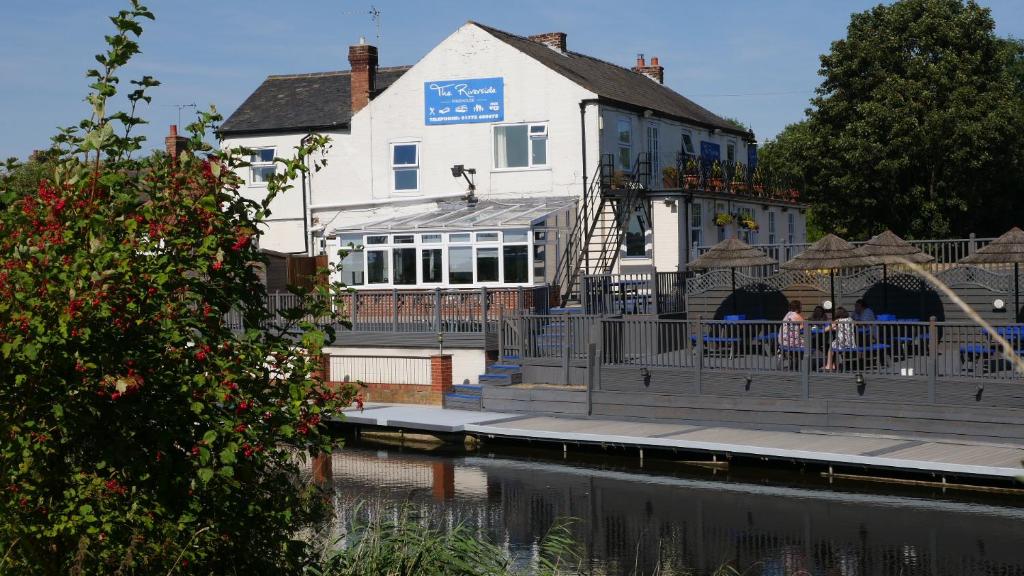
641, 522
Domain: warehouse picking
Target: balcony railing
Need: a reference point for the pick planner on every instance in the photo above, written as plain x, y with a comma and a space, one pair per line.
946, 251
700, 173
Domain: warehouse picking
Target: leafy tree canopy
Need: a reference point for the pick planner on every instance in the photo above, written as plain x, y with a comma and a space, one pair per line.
141, 433
917, 126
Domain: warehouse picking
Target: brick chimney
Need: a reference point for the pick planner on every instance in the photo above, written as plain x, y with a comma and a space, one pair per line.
553, 40
175, 144
363, 59
655, 71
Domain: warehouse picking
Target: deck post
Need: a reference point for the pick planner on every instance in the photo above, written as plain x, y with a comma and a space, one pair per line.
437, 310
805, 365
566, 347
501, 333
483, 313
353, 312
700, 355
654, 291
522, 338
394, 309
594, 361
933, 358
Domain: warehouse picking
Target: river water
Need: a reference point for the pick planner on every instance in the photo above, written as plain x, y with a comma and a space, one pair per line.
672, 518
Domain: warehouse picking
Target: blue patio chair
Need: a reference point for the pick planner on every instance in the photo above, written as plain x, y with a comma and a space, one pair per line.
886, 317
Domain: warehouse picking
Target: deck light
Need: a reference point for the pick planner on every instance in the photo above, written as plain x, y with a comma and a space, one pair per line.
998, 304
860, 380
646, 375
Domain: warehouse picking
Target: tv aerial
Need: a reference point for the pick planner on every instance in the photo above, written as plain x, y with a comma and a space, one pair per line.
374, 14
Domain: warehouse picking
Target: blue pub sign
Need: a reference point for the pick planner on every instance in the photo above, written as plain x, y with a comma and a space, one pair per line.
463, 101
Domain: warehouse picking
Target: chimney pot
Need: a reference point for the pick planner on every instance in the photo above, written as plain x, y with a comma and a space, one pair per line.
553, 40
363, 60
654, 60
655, 71
640, 61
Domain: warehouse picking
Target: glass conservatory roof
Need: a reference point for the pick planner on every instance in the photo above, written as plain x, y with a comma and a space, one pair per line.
518, 213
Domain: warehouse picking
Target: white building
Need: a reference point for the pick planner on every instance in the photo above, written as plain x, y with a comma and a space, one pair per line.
537, 123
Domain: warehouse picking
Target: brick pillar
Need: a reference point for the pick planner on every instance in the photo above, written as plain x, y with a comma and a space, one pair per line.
441, 373
363, 60
323, 371
443, 481
323, 474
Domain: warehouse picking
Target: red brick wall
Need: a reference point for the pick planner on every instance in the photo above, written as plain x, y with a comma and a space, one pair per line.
363, 60
441, 373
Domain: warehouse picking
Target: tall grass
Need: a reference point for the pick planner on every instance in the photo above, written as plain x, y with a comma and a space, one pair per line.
406, 545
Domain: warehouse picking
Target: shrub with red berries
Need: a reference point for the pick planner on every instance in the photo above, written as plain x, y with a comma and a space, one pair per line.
139, 432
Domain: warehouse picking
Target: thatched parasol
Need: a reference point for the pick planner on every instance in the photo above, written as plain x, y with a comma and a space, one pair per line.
888, 248
731, 253
830, 253
1007, 249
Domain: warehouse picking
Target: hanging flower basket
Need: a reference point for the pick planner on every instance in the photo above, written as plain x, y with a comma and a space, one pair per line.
723, 219
749, 224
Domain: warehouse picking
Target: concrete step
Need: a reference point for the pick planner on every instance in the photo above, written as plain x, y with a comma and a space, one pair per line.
467, 389
501, 379
511, 358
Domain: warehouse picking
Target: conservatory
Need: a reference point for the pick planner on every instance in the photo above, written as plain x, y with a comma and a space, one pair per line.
490, 243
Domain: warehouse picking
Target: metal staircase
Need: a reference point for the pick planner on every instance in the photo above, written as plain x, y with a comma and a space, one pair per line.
594, 242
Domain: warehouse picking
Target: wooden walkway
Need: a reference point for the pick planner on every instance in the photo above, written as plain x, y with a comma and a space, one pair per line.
873, 452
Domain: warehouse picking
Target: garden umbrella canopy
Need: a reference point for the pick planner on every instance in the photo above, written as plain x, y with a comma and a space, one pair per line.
830, 253
888, 248
1007, 249
731, 253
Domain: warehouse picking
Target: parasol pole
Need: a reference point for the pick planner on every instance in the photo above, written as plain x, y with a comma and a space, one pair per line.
832, 289
735, 305
1016, 292
885, 288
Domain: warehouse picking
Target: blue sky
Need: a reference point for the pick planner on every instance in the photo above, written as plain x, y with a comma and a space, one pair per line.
753, 60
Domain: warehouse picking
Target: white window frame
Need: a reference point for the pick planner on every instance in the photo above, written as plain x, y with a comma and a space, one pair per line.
621, 144
692, 150
771, 226
530, 139
395, 168
791, 225
445, 243
653, 149
731, 144
253, 165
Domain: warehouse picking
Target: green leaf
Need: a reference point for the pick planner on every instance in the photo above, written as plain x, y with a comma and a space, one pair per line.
227, 456
210, 436
205, 474
227, 471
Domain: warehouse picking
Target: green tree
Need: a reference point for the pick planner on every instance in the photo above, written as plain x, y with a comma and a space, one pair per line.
917, 125
141, 433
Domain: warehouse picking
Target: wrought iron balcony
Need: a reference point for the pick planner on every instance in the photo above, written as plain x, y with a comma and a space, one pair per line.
699, 173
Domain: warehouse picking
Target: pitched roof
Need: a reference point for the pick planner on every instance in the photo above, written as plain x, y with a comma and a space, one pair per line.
614, 82
298, 102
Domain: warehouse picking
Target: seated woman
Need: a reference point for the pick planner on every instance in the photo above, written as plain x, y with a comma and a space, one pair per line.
845, 336
820, 315
792, 325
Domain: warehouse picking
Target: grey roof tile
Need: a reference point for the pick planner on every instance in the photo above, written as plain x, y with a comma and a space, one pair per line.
299, 102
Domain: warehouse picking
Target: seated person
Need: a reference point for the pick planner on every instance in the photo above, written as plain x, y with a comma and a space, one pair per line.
792, 323
862, 312
820, 315
845, 336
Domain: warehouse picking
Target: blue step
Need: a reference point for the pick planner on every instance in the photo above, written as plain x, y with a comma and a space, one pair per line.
455, 396
566, 310
510, 358
504, 369
501, 379
467, 389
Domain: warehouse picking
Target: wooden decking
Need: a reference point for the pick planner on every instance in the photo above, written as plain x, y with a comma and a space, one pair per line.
872, 452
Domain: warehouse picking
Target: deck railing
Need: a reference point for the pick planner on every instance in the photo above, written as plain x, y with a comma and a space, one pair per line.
415, 311
944, 251
634, 293
910, 350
